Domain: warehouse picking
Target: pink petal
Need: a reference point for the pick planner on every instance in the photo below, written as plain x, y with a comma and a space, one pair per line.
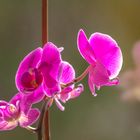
15, 98
50, 84
107, 52
22, 101
113, 82
3, 123
30, 61
8, 125
98, 75
51, 54
49, 67
35, 96
76, 92
84, 48
64, 94
66, 72
3, 103
31, 118
91, 85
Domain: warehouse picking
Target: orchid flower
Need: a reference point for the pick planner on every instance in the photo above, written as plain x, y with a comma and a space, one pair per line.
104, 58
57, 73
43, 73
17, 112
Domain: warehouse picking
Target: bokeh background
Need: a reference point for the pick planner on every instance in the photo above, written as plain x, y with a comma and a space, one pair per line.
105, 117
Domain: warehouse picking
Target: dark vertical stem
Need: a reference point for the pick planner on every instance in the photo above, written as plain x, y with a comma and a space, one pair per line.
44, 21
45, 124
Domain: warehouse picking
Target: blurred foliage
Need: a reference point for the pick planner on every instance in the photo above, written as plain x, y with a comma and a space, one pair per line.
105, 117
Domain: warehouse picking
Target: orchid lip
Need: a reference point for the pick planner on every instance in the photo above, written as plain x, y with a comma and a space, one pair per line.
31, 79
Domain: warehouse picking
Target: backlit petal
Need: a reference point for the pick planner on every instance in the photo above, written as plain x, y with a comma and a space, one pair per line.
8, 125
107, 52
98, 75
31, 118
30, 61
49, 67
85, 48
66, 72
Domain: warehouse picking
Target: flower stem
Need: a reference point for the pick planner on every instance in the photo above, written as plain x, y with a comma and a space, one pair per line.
44, 21
40, 123
45, 118
78, 79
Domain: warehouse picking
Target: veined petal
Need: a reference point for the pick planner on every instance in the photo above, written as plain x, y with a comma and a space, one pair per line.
98, 75
66, 72
35, 96
30, 61
15, 98
76, 92
91, 84
8, 125
3, 104
3, 123
49, 67
22, 101
107, 52
64, 94
85, 48
50, 84
51, 54
113, 82
31, 118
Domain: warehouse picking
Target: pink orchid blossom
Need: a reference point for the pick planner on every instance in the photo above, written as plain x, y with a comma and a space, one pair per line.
104, 57
56, 74
42, 72
17, 112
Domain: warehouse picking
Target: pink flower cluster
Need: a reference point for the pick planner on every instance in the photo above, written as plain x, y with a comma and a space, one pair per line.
43, 75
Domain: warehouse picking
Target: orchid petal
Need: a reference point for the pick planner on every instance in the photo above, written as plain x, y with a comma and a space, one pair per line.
36, 96
15, 98
49, 67
107, 52
30, 61
64, 94
76, 92
66, 73
113, 82
3, 104
31, 118
91, 84
84, 48
98, 75
8, 125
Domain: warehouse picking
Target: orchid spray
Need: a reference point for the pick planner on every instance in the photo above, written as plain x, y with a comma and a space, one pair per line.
43, 76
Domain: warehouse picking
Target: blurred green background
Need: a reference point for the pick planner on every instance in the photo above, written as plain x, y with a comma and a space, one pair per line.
105, 117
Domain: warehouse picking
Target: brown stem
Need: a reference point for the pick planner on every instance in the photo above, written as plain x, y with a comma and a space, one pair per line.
44, 21
45, 120
78, 79
40, 123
